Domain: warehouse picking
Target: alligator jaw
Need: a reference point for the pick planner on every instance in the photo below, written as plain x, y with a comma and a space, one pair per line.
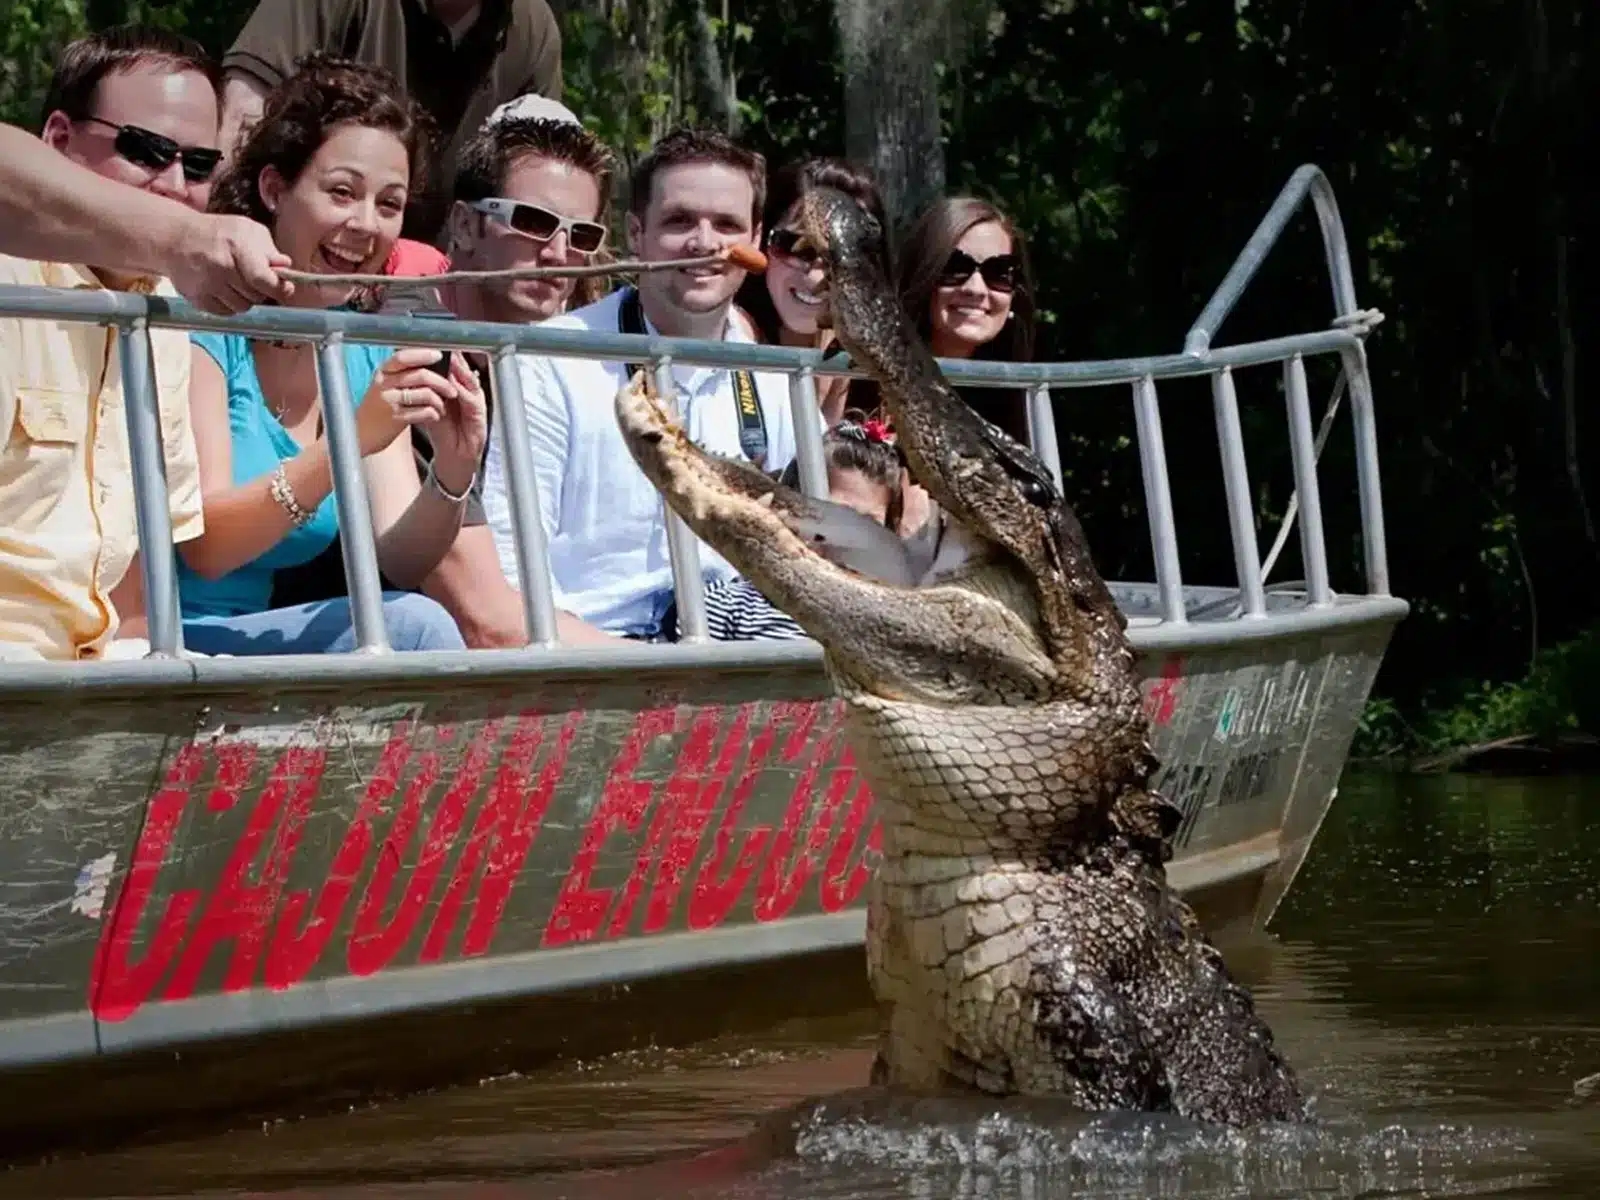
943, 644
994, 487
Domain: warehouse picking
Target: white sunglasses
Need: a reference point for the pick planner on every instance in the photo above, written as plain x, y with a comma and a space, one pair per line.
540, 224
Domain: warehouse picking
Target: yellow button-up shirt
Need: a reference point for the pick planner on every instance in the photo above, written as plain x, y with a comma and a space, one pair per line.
67, 526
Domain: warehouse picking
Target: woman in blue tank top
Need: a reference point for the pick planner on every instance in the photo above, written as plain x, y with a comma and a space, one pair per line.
329, 168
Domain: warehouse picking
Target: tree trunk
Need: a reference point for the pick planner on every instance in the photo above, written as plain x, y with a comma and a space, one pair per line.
714, 91
891, 50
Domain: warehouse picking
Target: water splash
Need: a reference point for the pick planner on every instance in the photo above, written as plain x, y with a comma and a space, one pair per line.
958, 1147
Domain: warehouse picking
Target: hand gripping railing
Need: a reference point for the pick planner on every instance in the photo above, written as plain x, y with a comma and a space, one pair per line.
134, 315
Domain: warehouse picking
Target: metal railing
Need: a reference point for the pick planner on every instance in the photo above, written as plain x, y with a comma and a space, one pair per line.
133, 316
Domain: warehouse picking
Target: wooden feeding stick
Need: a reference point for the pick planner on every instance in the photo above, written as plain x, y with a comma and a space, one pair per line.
741, 255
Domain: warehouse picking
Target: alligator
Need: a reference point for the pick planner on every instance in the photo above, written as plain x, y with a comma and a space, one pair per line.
1022, 938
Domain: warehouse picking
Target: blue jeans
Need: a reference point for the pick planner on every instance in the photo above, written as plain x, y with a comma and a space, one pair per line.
663, 624
326, 627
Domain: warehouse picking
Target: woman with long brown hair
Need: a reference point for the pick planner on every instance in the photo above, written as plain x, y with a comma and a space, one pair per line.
964, 280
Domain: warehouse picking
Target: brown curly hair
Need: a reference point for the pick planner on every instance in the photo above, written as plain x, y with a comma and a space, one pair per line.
303, 111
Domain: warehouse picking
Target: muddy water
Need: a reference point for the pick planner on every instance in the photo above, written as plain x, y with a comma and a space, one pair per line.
1433, 976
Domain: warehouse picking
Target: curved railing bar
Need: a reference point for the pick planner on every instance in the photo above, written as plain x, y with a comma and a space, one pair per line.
1307, 180
314, 325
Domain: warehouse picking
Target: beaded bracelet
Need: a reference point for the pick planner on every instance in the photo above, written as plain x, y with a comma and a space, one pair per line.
284, 495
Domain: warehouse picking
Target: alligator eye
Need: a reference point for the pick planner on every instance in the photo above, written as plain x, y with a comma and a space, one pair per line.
1036, 492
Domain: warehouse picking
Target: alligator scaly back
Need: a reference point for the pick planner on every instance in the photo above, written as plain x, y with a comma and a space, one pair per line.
1021, 934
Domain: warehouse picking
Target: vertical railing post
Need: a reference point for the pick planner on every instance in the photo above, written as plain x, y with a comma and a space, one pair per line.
1236, 479
688, 585
1374, 543
527, 525
356, 539
1042, 432
1303, 451
152, 507
1158, 500
808, 433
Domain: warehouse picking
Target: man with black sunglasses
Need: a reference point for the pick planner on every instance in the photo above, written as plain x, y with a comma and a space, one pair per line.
53, 209
137, 106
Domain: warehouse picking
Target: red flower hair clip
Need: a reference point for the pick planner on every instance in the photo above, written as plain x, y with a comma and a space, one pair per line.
877, 431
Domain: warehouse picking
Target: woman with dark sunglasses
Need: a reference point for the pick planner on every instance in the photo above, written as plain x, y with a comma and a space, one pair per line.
783, 303
329, 169
964, 280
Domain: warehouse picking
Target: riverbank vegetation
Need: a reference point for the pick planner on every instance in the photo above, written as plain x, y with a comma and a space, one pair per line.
1552, 711
1138, 144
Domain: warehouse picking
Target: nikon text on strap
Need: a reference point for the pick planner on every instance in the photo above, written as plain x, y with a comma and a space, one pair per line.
752, 421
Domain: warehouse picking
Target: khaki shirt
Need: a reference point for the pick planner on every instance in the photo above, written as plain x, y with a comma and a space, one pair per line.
67, 526
513, 48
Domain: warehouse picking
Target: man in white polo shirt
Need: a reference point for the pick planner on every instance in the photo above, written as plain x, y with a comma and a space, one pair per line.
693, 194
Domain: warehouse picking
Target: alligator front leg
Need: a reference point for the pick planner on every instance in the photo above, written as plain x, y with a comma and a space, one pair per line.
958, 643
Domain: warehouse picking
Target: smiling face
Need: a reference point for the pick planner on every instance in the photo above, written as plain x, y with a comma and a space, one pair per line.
695, 208
969, 312
175, 104
796, 276
344, 211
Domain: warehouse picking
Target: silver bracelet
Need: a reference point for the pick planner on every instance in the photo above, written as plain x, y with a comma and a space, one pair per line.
284, 495
454, 498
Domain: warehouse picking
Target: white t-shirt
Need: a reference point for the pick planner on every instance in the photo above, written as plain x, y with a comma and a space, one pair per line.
604, 523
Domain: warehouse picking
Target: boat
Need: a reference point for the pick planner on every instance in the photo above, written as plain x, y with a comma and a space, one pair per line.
235, 885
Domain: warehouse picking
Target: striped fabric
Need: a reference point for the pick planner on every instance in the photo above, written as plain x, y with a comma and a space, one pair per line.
736, 611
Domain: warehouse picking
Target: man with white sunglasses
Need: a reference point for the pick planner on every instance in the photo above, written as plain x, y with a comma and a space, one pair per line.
531, 190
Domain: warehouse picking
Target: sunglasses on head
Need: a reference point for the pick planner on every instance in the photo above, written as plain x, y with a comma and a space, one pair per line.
541, 224
1001, 272
145, 148
791, 244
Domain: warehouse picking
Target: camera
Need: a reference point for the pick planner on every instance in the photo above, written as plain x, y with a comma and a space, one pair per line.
425, 305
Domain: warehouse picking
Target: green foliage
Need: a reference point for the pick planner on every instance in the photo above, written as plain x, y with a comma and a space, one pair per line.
1381, 732
1560, 694
32, 33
